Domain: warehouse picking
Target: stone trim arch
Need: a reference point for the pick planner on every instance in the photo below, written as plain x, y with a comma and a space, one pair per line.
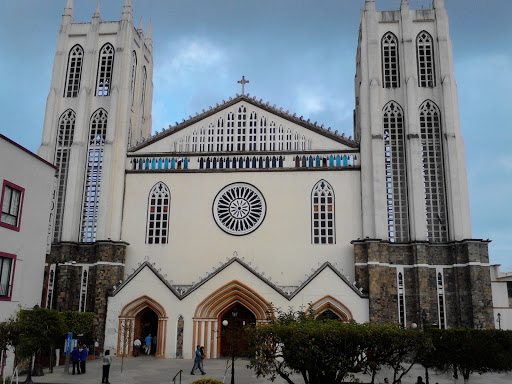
330, 303
127, 325
208, 312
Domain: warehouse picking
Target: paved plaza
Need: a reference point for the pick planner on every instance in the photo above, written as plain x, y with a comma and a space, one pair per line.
149, 370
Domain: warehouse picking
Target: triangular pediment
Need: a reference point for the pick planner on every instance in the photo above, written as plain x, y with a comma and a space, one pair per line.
244, 124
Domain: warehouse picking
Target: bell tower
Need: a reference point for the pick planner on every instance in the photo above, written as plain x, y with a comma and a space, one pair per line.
416, 221
99, 104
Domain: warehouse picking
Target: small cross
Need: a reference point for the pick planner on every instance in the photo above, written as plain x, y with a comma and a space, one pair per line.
243, 82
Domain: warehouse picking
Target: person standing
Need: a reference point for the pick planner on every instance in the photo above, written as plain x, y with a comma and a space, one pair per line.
197, 361
107, 360
420, 380
136, 347
202, 358
147, 344
83, 358
75, 358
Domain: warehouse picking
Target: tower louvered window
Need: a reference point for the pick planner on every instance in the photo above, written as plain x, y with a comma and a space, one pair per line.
143, 96
157, 231
396, 176
425, 55
91, 199
390, 63
433, 172
401, 297
322, 214
105, 70
62, 154
133, 77
74, 71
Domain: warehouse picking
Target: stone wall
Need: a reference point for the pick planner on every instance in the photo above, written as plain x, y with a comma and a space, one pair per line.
465, 270
105, 260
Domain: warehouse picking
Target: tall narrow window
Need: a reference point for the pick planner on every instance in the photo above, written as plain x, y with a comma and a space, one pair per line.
252, 131
401, 297
280, 139
83, 289
220, 134
210, 137
50, 286
143, 95
390, 63
74, 71
288, 139
12, 203
425, 55
396, 176
62, 153
230, 137
134, 75
440, 299
157, 231
263, 134
194, 141
272, 136
242, 122
7, 262
91, 198
433, 172
105, 69
322, 214
202, 138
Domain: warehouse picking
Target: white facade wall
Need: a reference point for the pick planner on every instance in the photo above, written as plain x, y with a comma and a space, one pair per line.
501, 300
30, 243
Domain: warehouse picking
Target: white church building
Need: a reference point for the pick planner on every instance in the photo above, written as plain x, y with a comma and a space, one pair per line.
248, 206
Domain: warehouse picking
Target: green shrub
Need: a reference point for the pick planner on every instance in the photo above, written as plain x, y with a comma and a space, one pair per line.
207, 381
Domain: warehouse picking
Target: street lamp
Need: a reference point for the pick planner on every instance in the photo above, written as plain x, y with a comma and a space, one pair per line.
234, 314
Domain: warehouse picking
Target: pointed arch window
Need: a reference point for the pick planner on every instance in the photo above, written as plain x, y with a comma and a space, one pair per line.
61, 161
425, 56
91, 196
220, 134
390, 63
252, 131
230, 131
134, 74
157, 231
263, 133
242, 122
74, 71
433, 172
272, 136
288, 139
396, 176
143, 96
322, 214
105, 70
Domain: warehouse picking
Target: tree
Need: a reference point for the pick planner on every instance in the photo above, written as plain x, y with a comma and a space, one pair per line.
78, 323
38, 328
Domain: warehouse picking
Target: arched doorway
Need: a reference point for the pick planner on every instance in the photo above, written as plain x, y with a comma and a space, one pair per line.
207, 328
139, 318
330, 308
146, 323
233, 334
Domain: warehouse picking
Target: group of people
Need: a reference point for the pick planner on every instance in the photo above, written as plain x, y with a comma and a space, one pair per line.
148, 342
418, 381
79, 357
198, 360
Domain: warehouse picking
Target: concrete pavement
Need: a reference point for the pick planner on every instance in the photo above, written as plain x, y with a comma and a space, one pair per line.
149, 370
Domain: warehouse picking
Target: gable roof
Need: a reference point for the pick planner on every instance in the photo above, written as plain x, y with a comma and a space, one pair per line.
293, 118
290, 294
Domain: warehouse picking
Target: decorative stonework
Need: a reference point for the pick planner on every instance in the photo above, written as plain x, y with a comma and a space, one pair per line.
239, 209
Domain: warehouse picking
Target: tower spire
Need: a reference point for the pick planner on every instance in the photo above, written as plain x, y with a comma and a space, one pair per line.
127, 11
438, 3
404, 5
149, 35
68, 15
97, 16
139, 28
369, 5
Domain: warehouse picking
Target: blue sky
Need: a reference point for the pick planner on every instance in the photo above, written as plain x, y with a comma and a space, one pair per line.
298, 55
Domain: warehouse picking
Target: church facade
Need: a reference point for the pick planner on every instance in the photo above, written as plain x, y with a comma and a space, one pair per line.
250, 207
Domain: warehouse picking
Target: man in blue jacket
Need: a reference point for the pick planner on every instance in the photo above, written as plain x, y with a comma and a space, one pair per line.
83, 358
75, 358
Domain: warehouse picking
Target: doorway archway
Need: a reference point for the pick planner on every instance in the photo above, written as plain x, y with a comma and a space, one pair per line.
139, 318
232, 335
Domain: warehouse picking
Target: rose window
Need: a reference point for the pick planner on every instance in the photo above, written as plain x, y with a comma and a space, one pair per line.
238, 209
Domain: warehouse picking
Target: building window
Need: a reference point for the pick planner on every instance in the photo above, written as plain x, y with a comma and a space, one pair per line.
12, 203
83, 289
230, 137
143, 96
322, 212
105, 69
396, 177
157, 231
74, 71
134, 75
263, 134
433, 172
7, 263
50, 286
390, 63
440, 300
252, 131
242, 122
91, 198
62, 154
425, 56
401, 297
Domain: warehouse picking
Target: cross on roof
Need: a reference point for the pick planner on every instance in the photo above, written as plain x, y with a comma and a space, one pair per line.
243, 82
